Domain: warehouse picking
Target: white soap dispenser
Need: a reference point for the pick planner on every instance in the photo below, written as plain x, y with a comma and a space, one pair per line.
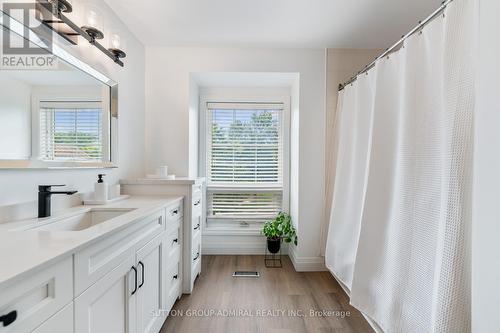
101, 189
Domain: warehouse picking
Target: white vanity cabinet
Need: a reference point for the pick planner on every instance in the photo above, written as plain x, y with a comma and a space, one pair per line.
194, 209
134, 294
129, 298
125, 282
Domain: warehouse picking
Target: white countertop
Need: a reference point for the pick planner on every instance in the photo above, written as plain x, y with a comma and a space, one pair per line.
157, 181
23, 252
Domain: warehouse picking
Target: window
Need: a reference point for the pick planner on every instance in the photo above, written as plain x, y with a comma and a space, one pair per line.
244, 160
71, 131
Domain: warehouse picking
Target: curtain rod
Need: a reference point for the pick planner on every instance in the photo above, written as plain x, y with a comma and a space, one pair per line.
420, 25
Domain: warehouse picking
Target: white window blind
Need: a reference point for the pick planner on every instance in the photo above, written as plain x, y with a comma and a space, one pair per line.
71, 131
244, 160
245, 144
244, 204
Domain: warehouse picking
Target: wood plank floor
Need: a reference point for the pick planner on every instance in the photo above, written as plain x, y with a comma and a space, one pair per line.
279, 301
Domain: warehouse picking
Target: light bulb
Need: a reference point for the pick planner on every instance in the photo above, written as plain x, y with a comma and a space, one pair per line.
115, 41
92, 18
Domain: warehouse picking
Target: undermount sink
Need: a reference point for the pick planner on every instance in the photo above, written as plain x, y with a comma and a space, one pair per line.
78, 222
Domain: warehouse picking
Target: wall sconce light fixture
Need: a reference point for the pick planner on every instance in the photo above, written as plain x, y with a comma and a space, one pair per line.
51, 13
115, 46
93, 24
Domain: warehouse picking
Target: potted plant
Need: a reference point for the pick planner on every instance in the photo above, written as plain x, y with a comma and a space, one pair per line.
276, 230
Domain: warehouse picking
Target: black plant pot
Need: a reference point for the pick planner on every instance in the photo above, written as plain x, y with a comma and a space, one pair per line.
273, 245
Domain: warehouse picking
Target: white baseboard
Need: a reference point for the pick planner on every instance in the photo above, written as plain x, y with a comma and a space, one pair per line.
256, 245
307, 264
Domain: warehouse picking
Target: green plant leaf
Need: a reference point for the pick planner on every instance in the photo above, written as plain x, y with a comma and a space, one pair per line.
280, 227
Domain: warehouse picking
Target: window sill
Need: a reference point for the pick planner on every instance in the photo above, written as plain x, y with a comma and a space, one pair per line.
231, 231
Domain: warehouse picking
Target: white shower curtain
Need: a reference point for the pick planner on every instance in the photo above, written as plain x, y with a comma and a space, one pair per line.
354, 116
399, 236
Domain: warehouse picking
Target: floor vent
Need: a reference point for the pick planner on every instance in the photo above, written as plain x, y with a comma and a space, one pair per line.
246, 274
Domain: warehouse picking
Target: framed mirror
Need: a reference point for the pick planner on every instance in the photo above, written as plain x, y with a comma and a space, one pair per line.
55, 112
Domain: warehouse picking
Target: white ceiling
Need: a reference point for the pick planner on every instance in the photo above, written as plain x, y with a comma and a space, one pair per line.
272, 23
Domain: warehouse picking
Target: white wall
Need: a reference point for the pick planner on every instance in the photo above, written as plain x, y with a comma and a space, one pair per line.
486, 215
294, 153
167, 117
15, 118
18, 186
194, 104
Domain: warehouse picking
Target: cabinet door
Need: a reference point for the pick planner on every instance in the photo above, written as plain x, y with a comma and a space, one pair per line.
149, 293
110, 304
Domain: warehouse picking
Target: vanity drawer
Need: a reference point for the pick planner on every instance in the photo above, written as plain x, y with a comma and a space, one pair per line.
196, 212
173, 295
173, 246
93, 262
197, 201
196, 251
37, 297
174, 212
173, 225
172, 286
196, 270
195, 257
196, 190
196, 226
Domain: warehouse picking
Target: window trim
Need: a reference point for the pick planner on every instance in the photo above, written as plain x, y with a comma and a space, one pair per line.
247, 97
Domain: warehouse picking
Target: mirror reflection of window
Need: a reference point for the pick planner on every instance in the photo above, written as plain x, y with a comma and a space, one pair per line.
71, 131
56, 116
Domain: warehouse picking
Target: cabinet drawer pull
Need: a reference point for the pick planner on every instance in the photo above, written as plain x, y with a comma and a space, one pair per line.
9, 318
135, 280
175, 276
175, 241
197, 227
197, 256
142, 266
197, 202
175, 212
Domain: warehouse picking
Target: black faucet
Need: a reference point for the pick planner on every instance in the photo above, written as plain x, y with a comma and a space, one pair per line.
44, 195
